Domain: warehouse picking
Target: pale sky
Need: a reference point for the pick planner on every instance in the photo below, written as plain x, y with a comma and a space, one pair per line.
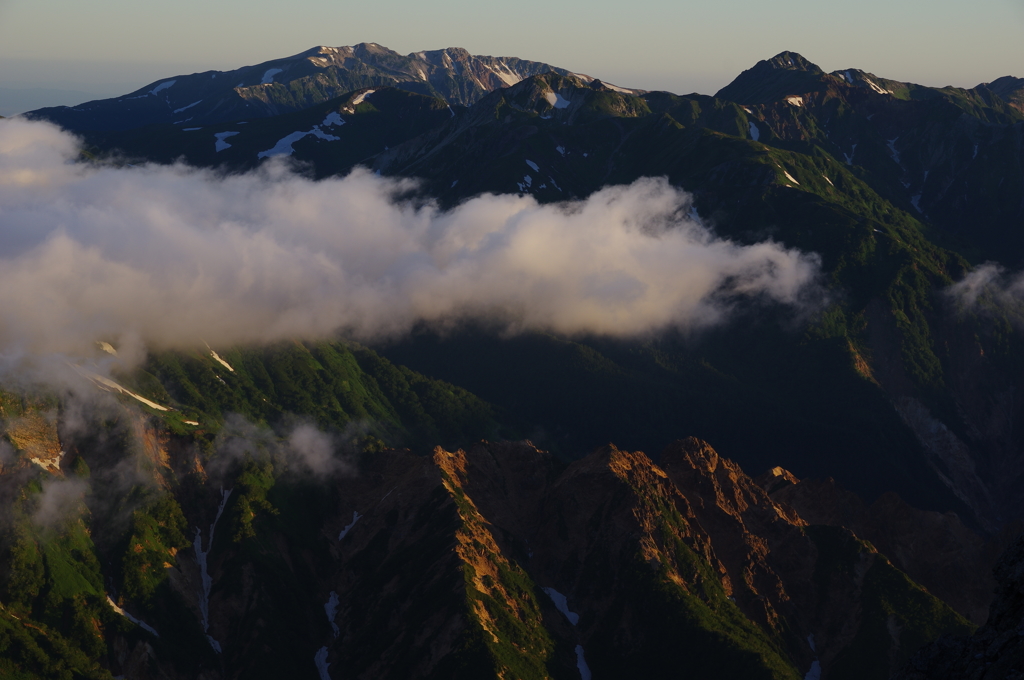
108, 47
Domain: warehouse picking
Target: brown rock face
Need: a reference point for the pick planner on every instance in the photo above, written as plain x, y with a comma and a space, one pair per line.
622, 555
500, 561
934, 549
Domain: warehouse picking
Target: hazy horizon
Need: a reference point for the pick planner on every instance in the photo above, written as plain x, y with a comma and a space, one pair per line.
112, 47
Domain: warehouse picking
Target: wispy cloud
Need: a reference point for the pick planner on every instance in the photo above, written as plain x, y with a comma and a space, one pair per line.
989, 289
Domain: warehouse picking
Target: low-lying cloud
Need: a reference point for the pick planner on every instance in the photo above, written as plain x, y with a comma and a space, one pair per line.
302, 448
171, 255
991, 289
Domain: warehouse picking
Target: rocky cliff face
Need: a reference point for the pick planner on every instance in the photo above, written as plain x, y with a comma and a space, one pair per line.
934, 549
218, 558
499, 561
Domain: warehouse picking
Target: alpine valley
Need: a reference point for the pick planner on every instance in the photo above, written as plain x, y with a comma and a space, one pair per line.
828, 492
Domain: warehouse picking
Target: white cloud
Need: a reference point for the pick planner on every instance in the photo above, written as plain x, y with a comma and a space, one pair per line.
60, 500
172, 255
991, 289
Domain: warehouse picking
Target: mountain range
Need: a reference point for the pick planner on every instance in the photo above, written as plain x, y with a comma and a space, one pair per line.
779, 496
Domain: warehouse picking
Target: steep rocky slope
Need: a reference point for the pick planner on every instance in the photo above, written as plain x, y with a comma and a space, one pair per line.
230, 559
935, 549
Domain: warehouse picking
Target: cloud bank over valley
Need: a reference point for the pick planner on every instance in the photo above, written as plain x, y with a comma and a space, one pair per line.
170, 256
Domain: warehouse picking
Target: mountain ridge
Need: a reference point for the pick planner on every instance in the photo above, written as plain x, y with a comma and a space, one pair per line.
291, 83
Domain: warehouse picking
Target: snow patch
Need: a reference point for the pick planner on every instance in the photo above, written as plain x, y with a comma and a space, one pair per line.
140, 624
190, 129
207, 582
331, 609
221, 136
916, 202
52, 464
533, 165
795, 101
321, 663
333, 118
186, 108
359, 98
755, 134
810, 638
790, 178
876, 88
849, 78
560, 149
221, 361
975, 152
562, 605
616, 88
828, 180
110, 385
107, 347
892, 149
191, 422
556, 100
268, 75
355, 518
284, 146
815, 672
507, 76
160, 88
581, 664
849, 157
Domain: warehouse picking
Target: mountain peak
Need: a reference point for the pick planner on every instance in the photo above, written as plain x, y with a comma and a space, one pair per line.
788, 61
787, 73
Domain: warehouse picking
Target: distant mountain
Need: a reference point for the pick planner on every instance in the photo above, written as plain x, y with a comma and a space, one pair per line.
1010, 89
948, 155
285, 85
14, 100
334, 136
